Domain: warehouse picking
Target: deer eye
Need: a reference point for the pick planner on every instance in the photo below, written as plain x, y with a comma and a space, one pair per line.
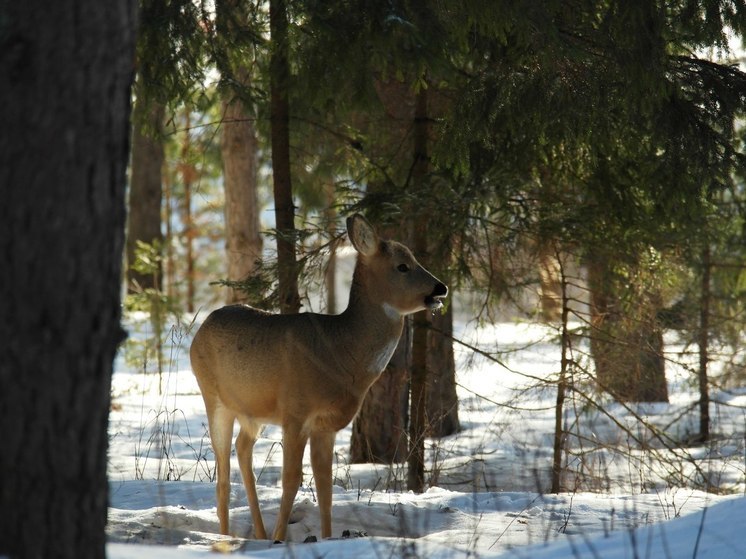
403, 268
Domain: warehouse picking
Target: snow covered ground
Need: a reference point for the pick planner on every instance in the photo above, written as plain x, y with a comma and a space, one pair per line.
489, 495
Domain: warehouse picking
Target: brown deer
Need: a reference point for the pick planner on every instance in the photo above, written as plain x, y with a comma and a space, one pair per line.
306, 372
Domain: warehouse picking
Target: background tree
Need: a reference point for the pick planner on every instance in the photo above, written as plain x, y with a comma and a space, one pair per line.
281, 176
238, 143
170, 73
194, 174
145, 189
605, 101
62, 163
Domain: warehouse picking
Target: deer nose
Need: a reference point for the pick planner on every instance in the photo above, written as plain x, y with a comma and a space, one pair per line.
433, 301
441, 290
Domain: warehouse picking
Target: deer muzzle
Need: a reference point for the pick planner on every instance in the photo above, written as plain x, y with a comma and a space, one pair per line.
434, 301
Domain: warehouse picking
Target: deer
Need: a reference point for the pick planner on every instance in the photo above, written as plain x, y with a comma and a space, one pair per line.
306, 372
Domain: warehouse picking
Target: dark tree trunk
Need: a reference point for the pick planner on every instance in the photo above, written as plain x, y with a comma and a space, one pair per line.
330, 273
283, 190
436, 351
145, 191
442, 401
703, 342
188, 177
650, 370
603, 314
379, 429
626, 345
169, 260
559, 432
65, 77
418, 396
435, 356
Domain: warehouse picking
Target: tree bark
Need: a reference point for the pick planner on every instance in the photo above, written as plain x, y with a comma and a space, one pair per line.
703, 342
330, 273
188, 177
380, 427
283, 190
602, 313
418, 420
145, 192
65, 77
626, 345
550, 284
559, 431
169, 272
239, 155
242, 225
442, 401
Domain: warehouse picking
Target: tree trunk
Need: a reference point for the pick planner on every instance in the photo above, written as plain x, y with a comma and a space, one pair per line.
169, 274
188, 177
330, 273
145, 192
242, 226
559, 431
550, 284
418, 397
442, 401
66, 72
602, 314
399, 106
703, 342
650, 372
379, 428
189, 234
418, 394
283, 190
239, 155
626, 345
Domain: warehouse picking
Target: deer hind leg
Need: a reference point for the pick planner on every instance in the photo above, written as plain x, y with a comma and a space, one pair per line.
221, 420
322, 452
293, 445
245, 448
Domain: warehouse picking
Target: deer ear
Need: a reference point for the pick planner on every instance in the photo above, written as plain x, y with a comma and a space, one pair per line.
362, 235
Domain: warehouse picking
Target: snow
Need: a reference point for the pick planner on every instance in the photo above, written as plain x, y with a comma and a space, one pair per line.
489, 482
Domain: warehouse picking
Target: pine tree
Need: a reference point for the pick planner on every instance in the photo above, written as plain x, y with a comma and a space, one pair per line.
281, 176
239, 147
145, 192
630, 130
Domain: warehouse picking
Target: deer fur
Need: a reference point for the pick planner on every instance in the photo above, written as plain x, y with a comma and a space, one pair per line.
306, 372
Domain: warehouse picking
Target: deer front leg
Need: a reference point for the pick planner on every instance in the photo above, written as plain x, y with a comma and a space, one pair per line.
293, 445
322, 452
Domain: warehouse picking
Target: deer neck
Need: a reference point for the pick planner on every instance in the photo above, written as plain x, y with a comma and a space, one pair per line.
375, 327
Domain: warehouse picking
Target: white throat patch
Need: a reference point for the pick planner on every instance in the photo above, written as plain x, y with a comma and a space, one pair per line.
391, 312
383, 357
